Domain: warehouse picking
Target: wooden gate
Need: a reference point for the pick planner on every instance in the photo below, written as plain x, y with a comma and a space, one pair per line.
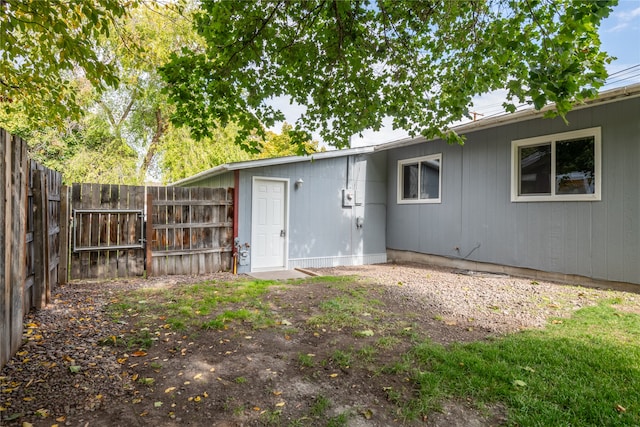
120, 232
107, 234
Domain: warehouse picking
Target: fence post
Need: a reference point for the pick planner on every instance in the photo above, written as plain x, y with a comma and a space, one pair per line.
149, 235
41, 285
63, 275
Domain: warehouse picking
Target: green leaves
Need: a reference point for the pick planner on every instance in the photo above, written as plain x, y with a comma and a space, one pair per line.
43, 43
352, 64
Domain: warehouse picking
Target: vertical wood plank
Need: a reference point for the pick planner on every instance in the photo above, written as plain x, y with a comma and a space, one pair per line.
123, 231
46, 236
149, 235
39, 240
112, 203
63, 274
91, 231
29, 248
54, 186
74, 233
5, 249
186, 235
18, 217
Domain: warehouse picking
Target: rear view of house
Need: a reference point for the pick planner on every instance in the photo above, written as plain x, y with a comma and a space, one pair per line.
524, 195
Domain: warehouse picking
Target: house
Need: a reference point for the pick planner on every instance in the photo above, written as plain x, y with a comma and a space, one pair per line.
527, 195
321, 210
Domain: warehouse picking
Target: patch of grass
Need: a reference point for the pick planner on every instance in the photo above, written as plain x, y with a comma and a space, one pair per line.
367, 354
387, 343
177, 323
195, 305
240, 380
142, 340
342, 359
331, 279
320, 405
148, 381
216, 324
579, 371
305, 360
354, 308
340, 420
271, 418
410, 333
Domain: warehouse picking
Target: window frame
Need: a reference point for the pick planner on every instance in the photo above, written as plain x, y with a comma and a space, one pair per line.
400, 181
552, 139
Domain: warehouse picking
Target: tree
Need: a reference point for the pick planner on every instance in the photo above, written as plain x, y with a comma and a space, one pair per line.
42, 45
182, 156
353, 63
280, 144
132, 116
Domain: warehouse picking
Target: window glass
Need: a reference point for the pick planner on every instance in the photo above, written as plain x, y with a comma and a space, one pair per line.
535, 169
430, 179
410, 181
575, 167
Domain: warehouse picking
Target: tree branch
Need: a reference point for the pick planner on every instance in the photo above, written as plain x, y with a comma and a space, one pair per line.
161, 127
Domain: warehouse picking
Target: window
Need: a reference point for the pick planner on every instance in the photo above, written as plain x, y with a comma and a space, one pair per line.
564, 167
419, 179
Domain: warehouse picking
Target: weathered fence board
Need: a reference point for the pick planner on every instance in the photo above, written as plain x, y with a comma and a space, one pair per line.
191, 230
13, 203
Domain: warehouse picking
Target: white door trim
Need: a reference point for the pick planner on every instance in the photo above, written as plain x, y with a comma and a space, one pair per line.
254, 217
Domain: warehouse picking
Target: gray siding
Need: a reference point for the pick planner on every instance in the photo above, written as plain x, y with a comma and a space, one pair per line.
477, 221
321, 230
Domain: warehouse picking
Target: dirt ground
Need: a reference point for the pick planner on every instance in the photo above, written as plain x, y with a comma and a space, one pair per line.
66, 374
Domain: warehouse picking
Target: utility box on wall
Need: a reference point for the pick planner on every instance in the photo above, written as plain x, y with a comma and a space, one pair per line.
348, 197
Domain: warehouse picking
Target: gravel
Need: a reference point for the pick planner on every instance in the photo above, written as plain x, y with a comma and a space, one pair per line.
495, 302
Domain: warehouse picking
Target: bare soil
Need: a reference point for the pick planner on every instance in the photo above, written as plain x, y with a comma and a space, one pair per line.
67, 374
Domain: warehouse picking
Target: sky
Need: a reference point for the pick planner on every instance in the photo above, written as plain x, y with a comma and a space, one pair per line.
620, 37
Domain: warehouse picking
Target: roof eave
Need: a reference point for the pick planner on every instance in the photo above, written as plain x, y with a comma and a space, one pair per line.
274, 161
612, 95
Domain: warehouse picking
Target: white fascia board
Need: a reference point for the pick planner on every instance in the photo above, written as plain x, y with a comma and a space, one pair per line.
274, 161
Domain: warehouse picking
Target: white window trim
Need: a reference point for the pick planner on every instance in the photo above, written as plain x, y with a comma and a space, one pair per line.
515, 166
403, 162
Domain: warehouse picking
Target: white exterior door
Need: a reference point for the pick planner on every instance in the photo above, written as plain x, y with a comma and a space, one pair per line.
268, 225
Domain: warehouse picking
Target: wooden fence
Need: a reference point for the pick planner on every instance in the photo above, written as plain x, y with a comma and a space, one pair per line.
30, 238
190, 230
187, 230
